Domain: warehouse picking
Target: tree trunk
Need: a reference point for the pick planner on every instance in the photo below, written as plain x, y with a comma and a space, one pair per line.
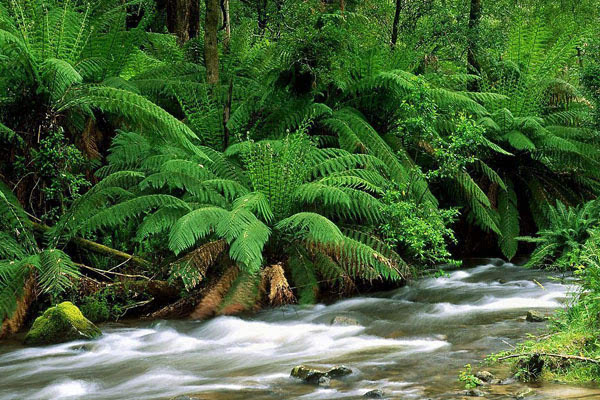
183, 19
473, 37
396, 22
261, 9
211, 49
226, 23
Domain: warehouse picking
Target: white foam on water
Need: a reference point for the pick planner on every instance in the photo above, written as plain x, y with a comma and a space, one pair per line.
490, 304
66, 389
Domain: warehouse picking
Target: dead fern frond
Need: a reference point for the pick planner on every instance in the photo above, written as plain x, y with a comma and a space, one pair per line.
213, 299
193, 266
89, 139
13, 324
279, 291
244, 295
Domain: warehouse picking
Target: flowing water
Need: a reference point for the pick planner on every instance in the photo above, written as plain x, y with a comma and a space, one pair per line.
410, 343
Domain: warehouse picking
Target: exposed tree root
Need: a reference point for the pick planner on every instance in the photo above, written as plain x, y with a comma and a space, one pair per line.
562, 356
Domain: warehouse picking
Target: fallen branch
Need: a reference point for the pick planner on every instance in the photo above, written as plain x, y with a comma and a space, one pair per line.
99, 248
102, 272
563, 356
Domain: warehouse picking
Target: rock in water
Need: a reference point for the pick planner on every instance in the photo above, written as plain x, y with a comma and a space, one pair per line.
61, 323
485, 376
313, 375
524, 393
343, 320
339, 371
310, 375
534, 316
474, 393
374, 394
324, 381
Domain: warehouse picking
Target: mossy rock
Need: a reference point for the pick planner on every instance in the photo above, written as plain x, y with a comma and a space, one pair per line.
59, 324
314, 375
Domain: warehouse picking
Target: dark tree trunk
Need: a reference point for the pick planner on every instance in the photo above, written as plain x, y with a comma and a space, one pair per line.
261, 9
473, 37
183, 19
396, 22
211, 50
226, 23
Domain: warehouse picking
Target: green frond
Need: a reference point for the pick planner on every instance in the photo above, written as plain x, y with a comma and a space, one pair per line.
316, 192
59, 76
509, 221
162, 220
113, 216
56, 271
304, 278
246, 244
195, 225
13, 276
10, 249
257, 203
137, 109
519, 141
312, 227
491, 174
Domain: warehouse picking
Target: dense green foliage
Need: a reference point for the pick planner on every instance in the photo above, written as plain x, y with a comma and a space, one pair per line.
316, 146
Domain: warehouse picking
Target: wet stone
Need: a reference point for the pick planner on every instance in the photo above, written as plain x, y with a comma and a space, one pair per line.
485, 376
524, 393
343, 320
474, 393
324, 381
374, 394
314, 375
534, 316
339, 371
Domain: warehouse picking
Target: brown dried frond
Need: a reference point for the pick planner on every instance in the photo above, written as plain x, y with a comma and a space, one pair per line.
13, 324
426, 146
348, 287
210, 303
193, 266
244, 295
279, 289
90, 137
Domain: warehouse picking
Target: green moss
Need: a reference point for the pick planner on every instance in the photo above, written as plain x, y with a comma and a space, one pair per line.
61, 323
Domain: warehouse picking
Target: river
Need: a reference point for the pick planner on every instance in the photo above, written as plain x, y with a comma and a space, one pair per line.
410, 343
